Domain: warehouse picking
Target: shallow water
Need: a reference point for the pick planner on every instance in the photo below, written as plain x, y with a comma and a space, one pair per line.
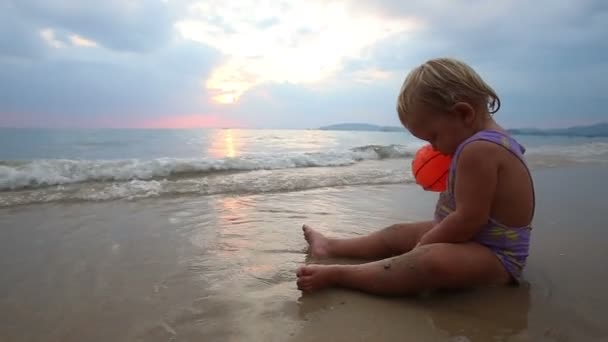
223, 268
45, 166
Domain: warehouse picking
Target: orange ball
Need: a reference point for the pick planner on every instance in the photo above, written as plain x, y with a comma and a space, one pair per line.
431, 169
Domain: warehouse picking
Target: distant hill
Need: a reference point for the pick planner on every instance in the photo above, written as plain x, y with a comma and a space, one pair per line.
597, 130
590, 131
361, 127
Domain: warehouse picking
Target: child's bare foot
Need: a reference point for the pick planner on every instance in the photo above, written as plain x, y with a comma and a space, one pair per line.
316, 277
318, 243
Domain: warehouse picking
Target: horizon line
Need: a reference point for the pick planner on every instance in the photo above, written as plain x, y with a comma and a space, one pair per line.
266, 128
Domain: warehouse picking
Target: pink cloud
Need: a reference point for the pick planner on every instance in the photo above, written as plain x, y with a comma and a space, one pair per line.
190, 121
36, 121
173, 121
31, 120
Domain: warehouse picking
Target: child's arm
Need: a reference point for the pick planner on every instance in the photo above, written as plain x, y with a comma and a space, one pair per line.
476, 178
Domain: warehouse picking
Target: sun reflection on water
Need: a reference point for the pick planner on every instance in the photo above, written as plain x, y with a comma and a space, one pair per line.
225, 143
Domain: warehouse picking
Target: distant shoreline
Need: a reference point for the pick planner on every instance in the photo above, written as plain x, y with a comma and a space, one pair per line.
590, 131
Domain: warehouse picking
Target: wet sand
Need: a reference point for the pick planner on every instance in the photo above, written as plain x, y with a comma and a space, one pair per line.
222, 268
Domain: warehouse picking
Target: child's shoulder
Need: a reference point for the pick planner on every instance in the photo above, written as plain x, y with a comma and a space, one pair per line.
479, 153
488, 149
487, 141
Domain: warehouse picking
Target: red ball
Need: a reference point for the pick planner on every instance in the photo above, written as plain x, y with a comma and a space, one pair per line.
431, 169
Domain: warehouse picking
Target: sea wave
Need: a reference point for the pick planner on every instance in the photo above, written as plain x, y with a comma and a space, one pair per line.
582, 151
49, 172
42, 181
253, 182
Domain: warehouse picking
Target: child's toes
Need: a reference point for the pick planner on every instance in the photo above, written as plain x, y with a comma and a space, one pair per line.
305, 271
303, 283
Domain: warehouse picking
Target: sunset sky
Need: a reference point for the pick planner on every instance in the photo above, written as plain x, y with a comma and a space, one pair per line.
290, 64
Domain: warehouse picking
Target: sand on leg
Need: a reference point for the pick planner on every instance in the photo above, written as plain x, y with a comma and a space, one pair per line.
392, 240
430, 267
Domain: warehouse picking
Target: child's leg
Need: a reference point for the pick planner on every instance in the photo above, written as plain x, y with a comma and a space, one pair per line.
393, 240
442, 265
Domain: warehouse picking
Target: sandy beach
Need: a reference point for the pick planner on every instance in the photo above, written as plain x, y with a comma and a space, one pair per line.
222, 268
159, 159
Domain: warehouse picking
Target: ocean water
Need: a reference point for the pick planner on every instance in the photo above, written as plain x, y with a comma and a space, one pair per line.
38, 166
194, 235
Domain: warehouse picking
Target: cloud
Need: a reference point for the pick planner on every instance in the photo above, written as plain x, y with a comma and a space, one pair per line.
77, 40
499, 31
48, 35
67, 63
17, 39
290, 63
95, 85
288, 105
298, 42
115, 24
547, 68
545, 58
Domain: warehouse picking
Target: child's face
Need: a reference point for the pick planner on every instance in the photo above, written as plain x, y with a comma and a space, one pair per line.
443, 130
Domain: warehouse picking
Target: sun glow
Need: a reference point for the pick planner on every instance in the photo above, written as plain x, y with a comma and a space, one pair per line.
298, 42
190, 121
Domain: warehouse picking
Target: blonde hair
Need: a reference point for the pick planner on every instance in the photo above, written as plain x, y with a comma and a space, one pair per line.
443, 82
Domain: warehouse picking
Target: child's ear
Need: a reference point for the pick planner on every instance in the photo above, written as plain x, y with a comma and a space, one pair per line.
465, 111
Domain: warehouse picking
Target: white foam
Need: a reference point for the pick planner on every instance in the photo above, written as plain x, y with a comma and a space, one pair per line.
40, 173
23, 182
128, 190
583, 150
260, 181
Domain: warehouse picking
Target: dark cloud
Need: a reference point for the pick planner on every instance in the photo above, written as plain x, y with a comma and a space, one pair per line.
118, 25
499, 31
169, 81
545, 58
17, 38
159, 75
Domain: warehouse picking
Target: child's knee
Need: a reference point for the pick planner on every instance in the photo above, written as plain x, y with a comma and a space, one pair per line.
433, 262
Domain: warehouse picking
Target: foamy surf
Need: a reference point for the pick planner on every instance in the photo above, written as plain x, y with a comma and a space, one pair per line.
43, 181
252, 182
556, 155
42, 173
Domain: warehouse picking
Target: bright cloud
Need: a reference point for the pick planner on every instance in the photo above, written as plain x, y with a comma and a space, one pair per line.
80, 41
49, 37
295, 42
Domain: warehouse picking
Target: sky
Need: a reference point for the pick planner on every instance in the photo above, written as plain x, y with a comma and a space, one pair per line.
290, 63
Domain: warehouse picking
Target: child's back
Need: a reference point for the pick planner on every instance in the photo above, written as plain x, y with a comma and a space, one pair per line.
507, 229
514, 198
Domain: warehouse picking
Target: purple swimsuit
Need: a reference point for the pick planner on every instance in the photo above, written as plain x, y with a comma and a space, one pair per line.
510, 244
